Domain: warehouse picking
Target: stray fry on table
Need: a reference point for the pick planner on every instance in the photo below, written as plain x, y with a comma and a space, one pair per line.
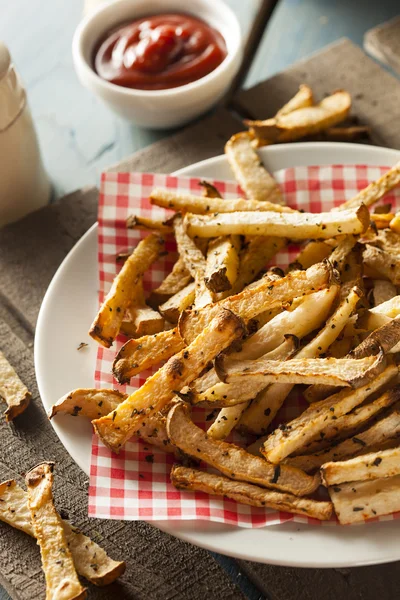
12, 390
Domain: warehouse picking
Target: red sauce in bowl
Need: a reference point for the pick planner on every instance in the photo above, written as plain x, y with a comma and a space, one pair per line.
159, 52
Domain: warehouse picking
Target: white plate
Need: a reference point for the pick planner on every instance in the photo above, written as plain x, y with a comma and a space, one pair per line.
65, 315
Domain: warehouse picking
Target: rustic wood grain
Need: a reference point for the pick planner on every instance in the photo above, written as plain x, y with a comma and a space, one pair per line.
374, 91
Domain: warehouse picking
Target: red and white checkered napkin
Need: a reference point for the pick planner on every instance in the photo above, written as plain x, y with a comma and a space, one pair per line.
135, 484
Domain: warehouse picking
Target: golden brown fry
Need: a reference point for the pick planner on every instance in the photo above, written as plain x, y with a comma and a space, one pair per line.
87, 402
297, 226
265, 295
176, 304
382, 221
222, 263
116, 428
303, 98
139, 318
137, 222
395, 223
304, 121
384, 463
356, 501
107, 323
375, 190
314, 419
62, 582
174, 282
232, 461
312, 253
90, 560
12, 390
249, 171
387, 265
201, 206
384, 430
186, 479
138, 355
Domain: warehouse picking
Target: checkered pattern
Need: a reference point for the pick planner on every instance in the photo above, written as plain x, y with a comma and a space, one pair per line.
135, 484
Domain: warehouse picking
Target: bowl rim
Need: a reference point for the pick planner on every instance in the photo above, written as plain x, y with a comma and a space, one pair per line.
87, 23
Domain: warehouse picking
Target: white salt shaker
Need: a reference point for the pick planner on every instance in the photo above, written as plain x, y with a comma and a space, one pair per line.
24, 185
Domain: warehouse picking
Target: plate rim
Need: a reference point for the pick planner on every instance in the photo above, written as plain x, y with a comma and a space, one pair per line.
172, 527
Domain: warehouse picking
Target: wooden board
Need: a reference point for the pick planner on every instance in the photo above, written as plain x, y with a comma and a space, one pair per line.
159, 567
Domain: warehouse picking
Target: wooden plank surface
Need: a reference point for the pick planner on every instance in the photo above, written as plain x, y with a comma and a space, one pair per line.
383, 43
374, 91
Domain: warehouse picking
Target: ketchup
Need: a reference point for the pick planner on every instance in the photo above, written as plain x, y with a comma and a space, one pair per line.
159, 52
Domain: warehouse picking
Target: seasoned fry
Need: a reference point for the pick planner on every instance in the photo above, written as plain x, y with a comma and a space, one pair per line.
311, 313
395, 222
356, 501
116, 428
303, 98
387, 265
382, 221
87, 402
137, 222
201, 206
340, 253
90, 560
229, 417
184, 478
232, 461
222, 263
361, 468
382, 291
209, 190
348, 424
304, 121
266, 295
107, 323
371, 439
249, 171
12, 390
174, 282
267, 403
140, 319
297, 226
381, 313
312, 253
137, 355
174, 306
194, 262
62, 582
314, 419
375, 191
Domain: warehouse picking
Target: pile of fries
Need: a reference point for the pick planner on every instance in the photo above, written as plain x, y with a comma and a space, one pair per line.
235, 338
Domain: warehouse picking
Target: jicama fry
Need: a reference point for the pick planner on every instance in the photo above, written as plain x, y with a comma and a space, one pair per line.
382, 291
107, 323
87, 402
138, 222
90, 560
395, 222
375, 190
174, 282
266, 295
374, 465
387, 265
209, 190
313, 252
116, 428
232, 461
199, 205
62, 582
222, 263
297, 226
267, 403
140, 319
249, 171
303, 98
12, 390
356, 501
184, 478
300, 431
305, 121
138, 355
174, 306
229, 417
384, 430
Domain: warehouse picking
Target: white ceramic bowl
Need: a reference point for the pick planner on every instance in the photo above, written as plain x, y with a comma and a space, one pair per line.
158, 109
